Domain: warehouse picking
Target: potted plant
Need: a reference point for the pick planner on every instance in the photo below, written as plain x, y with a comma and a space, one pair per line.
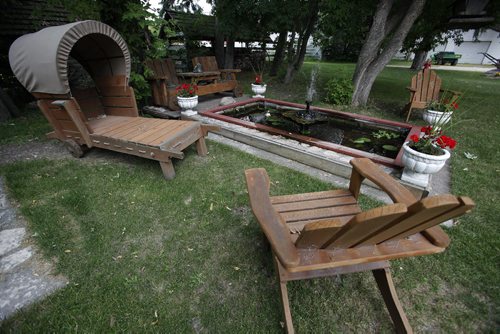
425, 153
439, 112
258, 86
187, 97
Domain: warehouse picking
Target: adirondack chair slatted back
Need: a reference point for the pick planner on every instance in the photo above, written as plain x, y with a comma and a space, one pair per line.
427, 85
163, 69
208, 63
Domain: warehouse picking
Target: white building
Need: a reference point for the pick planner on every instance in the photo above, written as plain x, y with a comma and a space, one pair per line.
472, 47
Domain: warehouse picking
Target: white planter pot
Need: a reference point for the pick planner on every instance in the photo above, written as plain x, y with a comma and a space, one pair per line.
187, 103
434, 117
258, 90
423, 163
419, 165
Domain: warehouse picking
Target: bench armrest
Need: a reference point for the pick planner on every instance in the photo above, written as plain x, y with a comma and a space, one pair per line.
365, 168
235, 70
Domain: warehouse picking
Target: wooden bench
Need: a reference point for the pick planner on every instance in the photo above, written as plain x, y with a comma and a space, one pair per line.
164, 79
326, 233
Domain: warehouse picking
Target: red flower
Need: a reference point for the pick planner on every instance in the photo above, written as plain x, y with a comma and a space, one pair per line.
445, 141
414, 138
426, 129
454, 105
258, 79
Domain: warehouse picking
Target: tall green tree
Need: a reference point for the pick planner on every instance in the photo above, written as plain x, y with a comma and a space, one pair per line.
391, 23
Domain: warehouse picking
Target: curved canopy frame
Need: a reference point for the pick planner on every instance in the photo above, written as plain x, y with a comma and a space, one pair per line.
40, 60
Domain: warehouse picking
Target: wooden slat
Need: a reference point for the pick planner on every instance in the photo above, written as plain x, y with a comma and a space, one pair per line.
316, 234
143, 128
156, 131
418, 87
419, 213
117, 91
172, 133
466, 204
122, 127
425, 84
366, 224
298, 226
183, 138
141, 124
314, 204
309, 196
103, 124
317, 259
118, 102
321, 213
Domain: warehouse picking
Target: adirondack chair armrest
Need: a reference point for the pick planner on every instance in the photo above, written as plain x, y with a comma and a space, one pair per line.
454, 92
365, 168
411, 89
270, 221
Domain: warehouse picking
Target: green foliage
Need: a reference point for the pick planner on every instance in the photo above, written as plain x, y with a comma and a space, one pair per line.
339, 91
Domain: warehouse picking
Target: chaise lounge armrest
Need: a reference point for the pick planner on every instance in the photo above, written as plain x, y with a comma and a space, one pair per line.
365, 168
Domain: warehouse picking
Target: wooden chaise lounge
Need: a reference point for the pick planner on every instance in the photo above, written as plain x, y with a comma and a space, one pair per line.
326, 233
107, 117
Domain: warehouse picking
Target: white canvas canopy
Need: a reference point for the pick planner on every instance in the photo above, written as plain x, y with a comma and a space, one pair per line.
40, 60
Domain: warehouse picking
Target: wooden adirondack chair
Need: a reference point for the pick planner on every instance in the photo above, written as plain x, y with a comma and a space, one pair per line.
326, 233
426, 87
163, 82
226, 81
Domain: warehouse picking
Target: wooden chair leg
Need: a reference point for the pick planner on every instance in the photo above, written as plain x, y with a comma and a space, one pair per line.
284, 299
386, 286
201, 147
286, 308
409, 113
168, 169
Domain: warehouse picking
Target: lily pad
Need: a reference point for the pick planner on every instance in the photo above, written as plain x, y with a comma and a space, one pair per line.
361, 140
390, 148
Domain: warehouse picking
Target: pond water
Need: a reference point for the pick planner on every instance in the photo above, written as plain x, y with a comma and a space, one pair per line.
346, 133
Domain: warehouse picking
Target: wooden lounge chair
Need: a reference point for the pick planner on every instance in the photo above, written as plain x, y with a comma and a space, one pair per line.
326, 233
426, 87
107, 117
225, 81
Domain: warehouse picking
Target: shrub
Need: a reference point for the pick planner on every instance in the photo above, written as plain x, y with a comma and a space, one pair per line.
338, 91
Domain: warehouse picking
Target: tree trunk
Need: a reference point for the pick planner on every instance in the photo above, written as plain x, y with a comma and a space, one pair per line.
370, 63
279, 54
298, 60
219, 45
419, 59
229, 58
291, 51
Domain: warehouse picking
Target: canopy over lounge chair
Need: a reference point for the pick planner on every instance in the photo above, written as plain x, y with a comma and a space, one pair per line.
104, 115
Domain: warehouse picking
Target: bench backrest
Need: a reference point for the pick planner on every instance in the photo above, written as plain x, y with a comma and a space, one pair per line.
163, 69
208, 63
427, 85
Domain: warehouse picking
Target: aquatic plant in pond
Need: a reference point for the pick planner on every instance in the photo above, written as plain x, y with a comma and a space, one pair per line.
359, 134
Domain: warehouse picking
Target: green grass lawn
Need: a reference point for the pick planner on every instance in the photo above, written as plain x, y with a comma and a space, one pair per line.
146, 255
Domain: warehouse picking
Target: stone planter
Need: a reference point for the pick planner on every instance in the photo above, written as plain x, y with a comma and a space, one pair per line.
258, 90
188, 103
419, 165
438, 118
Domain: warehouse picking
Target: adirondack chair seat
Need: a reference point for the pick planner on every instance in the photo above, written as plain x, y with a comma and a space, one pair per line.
426, 87
326, 233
